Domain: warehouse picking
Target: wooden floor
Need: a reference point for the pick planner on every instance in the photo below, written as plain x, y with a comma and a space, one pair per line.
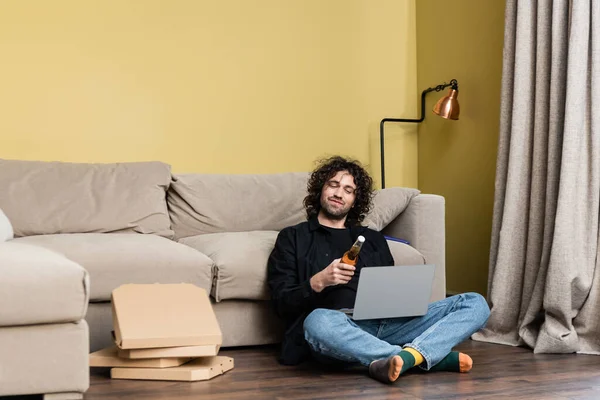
500, 372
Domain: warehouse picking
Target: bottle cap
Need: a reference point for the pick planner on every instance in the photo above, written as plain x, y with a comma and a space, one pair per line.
361, 239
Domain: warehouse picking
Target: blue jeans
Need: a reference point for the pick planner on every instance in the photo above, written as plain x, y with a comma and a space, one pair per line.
333, 336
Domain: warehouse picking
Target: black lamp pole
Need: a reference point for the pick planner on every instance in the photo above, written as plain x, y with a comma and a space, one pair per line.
437, 88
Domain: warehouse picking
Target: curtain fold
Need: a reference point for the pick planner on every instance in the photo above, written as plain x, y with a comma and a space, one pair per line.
544, 280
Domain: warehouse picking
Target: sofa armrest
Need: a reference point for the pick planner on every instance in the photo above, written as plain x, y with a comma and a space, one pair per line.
423, 225
42, 286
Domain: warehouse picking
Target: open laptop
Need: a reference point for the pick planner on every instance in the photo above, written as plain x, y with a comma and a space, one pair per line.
392, 292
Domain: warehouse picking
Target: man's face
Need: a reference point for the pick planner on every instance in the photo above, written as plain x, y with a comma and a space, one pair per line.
338, 195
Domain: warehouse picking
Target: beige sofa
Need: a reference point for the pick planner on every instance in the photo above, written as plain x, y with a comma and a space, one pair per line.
138, 223
44, 340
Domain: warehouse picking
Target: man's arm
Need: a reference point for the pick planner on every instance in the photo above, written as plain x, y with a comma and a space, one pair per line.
290, 294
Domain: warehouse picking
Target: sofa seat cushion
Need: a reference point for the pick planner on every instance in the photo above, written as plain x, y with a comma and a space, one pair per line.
114, 259
40, 286
240, 259
405, 254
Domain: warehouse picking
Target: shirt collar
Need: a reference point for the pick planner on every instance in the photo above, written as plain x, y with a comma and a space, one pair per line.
313, 225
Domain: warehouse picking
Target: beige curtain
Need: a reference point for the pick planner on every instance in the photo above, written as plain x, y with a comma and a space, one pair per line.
544, 279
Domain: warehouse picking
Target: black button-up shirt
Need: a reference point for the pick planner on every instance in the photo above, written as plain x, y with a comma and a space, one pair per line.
300, 252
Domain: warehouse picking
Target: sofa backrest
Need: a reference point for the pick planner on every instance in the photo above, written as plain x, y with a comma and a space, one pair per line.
54, 197
206, 203
212, 203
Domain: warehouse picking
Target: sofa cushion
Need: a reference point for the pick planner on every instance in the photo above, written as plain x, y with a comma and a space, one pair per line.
40, 286
405, 255
240, 269
204, 203
200, 203
54, 197
115, 259
388, 204
240, 259
49, 358
6, 230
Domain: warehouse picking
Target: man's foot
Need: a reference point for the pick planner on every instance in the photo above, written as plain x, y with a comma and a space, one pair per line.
389, 369
386, 370
454, 362
465, 362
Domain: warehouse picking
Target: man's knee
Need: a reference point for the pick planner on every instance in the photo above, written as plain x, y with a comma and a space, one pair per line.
319, 323
481, 310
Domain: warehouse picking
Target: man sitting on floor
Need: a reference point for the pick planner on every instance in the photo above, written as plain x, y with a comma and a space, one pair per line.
309, 284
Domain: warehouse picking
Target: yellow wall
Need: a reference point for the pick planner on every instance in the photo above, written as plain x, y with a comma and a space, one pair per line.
223, 86
233, 86
462, 39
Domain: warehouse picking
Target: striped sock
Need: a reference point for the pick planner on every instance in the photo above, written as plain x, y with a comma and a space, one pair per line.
388, 370
454, 362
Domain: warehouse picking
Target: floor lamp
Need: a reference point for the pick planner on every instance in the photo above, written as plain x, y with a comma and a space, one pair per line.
447, 107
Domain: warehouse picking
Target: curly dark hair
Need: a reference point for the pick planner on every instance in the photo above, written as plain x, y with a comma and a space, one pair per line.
326, 169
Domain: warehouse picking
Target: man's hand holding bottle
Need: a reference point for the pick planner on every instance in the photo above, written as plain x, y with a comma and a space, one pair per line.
340, 271
336, 273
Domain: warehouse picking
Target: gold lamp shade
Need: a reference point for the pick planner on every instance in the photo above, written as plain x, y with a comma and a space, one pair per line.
448, 107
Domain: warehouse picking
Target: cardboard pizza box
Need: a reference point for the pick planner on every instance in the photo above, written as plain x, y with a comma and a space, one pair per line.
109, 357
163, 352
163, 315
197, 370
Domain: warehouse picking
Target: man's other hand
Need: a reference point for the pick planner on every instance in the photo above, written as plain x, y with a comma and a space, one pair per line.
336, 273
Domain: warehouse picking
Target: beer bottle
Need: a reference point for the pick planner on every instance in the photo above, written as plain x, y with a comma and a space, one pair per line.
351, 256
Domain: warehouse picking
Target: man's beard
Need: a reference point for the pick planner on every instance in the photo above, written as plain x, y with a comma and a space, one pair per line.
333, 215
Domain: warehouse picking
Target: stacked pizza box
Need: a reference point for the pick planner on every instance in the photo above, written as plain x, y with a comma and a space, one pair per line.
163, 332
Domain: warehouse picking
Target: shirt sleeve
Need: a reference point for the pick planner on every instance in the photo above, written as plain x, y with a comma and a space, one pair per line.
291, 295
